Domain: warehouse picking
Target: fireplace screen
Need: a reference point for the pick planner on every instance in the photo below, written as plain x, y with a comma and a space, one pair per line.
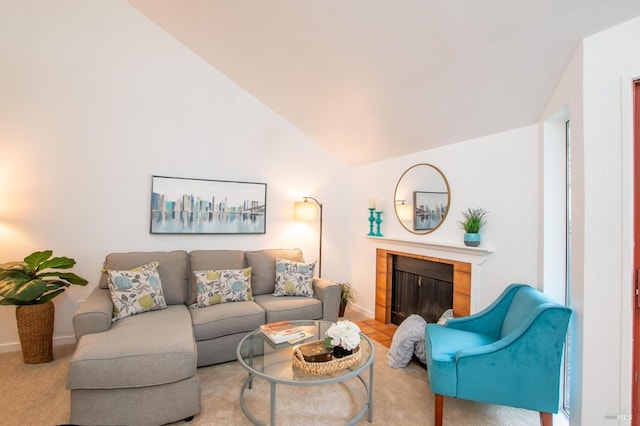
420, 287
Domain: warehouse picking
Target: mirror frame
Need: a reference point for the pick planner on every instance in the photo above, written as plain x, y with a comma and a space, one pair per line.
395, 205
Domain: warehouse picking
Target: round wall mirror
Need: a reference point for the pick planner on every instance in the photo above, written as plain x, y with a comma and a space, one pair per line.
422, 198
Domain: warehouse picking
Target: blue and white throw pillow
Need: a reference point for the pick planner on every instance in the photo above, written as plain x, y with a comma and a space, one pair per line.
294, 278
222, 286
135, 291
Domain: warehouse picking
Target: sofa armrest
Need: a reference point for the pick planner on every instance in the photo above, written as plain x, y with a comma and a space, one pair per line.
94, 314
328, 293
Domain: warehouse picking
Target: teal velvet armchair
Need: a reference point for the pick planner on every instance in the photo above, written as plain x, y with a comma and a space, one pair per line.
508, 354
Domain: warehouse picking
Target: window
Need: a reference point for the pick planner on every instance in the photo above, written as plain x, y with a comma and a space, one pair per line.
566, 367
556, 228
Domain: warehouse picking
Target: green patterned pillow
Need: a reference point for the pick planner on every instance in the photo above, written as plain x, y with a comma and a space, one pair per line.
294, 278
227, 285
135, 291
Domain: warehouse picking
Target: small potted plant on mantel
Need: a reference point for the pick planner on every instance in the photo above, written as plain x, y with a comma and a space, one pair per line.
474, 220
30, 285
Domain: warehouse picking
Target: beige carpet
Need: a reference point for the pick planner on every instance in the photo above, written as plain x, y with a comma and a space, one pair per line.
35, 395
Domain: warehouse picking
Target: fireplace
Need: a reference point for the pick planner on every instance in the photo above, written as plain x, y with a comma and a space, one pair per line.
421, 287
461, 288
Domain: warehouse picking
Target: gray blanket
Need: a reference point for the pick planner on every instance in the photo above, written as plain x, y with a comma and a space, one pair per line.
409, 340
408, 336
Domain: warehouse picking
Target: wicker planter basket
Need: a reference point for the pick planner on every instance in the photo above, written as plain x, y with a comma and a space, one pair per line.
35, 328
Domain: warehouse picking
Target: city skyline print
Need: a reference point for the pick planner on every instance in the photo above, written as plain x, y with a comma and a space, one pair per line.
429, 209
202, 206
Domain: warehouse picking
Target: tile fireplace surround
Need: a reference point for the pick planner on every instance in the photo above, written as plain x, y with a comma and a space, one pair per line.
384, 275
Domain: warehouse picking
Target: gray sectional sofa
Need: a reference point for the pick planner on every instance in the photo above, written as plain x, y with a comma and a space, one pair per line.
141, 370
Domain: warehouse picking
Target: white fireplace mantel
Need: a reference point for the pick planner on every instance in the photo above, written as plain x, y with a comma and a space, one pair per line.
440, 246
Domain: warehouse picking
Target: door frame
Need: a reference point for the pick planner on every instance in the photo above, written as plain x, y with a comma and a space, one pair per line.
635, 400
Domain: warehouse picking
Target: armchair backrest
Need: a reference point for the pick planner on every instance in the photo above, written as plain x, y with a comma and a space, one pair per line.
523, 305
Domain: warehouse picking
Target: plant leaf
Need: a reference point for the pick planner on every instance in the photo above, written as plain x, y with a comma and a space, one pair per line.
14, 277
57, 263
37, 257
18, 288
67, 276
7, 301
55, 284
50, 296
13, 265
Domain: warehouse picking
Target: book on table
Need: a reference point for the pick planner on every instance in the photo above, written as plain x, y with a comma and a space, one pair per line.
282, 331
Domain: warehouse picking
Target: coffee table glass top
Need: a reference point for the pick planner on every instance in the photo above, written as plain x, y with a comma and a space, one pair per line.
265, 359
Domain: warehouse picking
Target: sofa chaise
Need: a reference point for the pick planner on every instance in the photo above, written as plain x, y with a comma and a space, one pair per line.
141, 369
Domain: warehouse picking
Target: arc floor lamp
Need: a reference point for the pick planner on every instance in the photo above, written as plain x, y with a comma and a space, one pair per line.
305, 210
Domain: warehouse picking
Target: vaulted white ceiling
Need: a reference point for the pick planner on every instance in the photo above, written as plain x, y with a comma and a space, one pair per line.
375, 79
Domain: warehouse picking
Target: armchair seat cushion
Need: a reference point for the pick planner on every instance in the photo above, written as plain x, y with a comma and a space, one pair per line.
443, 344
447, 342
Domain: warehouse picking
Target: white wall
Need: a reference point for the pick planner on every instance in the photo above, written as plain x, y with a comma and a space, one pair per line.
596, 89
498, 173
611, 58
94, 100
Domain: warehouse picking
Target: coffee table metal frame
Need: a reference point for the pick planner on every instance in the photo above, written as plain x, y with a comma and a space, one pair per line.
247, 356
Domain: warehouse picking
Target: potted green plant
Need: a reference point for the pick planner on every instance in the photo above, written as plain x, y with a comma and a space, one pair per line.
30, 285
474, 220
346, 296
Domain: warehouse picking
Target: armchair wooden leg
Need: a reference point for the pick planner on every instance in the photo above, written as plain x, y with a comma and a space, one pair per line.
546, 419
439, 403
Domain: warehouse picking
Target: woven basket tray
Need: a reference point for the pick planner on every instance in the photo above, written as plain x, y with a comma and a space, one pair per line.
325, 367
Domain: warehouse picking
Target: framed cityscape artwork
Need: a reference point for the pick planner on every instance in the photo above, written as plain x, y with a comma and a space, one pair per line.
429, 209
201, 206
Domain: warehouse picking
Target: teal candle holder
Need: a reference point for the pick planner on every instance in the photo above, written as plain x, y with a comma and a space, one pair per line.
378, 223
372, 219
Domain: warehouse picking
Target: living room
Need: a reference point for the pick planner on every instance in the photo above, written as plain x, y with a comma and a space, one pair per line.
97, 98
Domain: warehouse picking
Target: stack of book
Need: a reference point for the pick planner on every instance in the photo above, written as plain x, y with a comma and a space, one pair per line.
283, 331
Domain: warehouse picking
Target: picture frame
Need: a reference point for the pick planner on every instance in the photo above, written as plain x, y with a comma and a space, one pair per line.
204, 206
429, 209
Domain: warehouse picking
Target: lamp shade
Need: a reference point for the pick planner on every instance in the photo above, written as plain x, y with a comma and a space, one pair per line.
405, 211
305, 210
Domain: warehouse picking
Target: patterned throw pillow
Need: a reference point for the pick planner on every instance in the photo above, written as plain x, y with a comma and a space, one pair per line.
227, 285
135, 291
294, 278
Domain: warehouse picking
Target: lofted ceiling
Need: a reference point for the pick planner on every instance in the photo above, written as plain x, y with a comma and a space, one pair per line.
375, 79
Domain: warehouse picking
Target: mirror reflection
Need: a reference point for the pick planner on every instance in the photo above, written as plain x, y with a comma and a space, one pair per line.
422, 198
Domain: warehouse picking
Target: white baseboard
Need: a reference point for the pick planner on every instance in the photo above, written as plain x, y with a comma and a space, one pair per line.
361, 310
15, 347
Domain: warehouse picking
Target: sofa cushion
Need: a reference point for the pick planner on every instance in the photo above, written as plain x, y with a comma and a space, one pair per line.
222, 286
294, 278
263, 263
225, 319
211, 260
289, 308
142, 350
173, 269
135, 291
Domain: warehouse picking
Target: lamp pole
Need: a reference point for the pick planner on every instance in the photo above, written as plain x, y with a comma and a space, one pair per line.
320, 253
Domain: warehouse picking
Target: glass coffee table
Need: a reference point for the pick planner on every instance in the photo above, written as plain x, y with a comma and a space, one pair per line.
273, 363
